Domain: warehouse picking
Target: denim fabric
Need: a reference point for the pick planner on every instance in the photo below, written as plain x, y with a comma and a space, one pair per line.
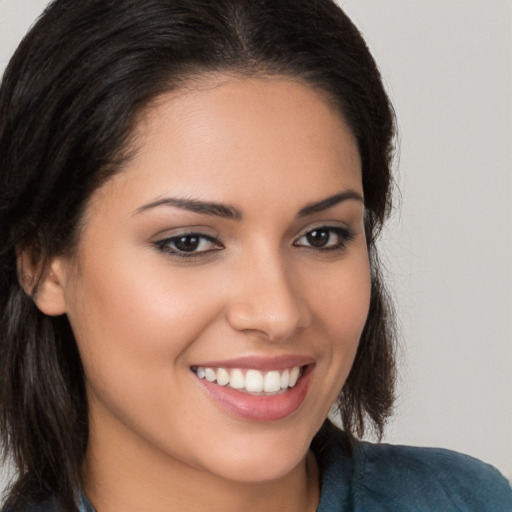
387, 478
83, 503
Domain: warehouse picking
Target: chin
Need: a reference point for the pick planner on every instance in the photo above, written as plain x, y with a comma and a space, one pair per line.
258, 459
259, 470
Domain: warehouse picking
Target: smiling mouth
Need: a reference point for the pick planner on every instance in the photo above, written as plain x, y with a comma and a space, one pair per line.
251, 381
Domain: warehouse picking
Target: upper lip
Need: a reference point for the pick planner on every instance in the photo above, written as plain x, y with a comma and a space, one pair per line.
261, 363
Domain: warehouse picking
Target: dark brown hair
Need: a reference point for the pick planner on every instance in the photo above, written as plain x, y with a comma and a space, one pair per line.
69, 101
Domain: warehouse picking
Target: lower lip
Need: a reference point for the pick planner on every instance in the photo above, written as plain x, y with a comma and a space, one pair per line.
259, 407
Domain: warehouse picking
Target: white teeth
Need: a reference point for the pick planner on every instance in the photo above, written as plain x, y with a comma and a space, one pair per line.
252, 381
210, 375
294, 375
236, 379
285, 379
272, 382
222, 377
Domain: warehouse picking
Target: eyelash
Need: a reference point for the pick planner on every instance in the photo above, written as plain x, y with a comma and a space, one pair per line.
344, 236
168, 245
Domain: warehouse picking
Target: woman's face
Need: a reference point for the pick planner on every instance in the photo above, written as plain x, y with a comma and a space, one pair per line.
228, 256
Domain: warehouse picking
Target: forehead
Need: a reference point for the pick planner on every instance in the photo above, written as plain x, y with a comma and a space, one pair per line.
233, 139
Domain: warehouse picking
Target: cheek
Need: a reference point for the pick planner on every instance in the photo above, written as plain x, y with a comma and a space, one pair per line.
133, 326
342, 309
133, 321
136, 303
343, 302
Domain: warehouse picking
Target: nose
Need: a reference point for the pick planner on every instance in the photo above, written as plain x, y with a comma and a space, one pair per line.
267, 301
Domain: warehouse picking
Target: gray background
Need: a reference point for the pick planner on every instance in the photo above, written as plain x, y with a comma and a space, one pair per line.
447, 65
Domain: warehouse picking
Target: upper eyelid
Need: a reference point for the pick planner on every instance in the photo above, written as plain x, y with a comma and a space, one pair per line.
210, 238
171, 234
166, 235
327, 226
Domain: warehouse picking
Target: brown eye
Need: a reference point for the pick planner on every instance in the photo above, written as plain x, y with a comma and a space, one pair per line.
188, 244
318, 237
325, 238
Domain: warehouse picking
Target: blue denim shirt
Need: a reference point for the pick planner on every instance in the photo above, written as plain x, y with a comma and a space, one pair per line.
388, 478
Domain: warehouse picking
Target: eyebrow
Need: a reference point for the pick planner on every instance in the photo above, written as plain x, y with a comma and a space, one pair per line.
331, 201
196, 206
230, 212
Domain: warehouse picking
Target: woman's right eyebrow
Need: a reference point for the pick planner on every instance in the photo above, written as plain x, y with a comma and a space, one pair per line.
196, 206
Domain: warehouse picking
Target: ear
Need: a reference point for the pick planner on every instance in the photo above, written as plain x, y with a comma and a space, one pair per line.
43, 281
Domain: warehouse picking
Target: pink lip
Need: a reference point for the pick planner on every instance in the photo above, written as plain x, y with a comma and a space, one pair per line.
261, 363
259, 407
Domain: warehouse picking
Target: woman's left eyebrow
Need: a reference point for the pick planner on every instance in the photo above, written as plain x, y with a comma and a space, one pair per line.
325, 204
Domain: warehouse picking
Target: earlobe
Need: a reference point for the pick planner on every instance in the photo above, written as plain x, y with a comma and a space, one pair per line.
44, 285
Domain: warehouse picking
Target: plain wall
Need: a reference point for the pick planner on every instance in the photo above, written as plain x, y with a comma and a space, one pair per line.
447, 65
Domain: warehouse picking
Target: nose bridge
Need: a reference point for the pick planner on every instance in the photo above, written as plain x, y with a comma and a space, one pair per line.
267, 300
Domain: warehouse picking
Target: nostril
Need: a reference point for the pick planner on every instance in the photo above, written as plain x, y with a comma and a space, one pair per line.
276, 325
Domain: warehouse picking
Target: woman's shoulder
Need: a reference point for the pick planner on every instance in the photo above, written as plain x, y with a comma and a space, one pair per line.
394, 478
429, 479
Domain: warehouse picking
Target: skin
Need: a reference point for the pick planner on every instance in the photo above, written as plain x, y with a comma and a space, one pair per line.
142, 316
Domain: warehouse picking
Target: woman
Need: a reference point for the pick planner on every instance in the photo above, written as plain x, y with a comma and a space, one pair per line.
191, 194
